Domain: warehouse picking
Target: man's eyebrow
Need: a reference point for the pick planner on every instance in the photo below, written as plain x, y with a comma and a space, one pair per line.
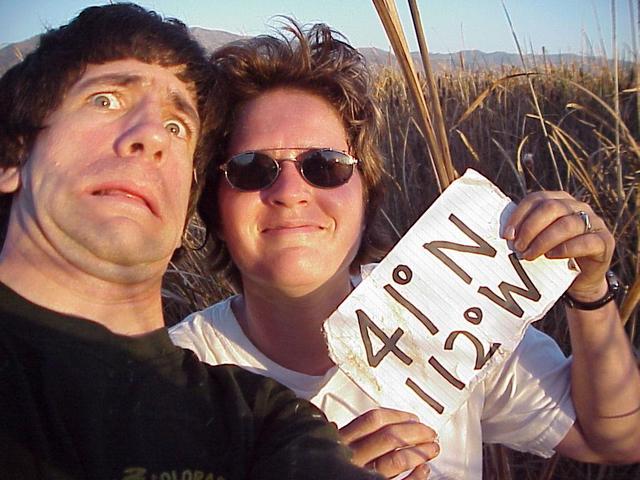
118, 79
183, 105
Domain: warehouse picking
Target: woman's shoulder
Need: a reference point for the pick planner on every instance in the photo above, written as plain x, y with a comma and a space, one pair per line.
209, 317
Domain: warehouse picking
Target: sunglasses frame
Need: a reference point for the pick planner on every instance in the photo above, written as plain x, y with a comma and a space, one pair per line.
298, 160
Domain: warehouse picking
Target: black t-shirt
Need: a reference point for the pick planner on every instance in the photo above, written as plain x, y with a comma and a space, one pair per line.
80, 402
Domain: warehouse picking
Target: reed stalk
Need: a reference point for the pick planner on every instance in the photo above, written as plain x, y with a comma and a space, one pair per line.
634, 42
388, 14
616, 105
534, 96
434, 97
631, 301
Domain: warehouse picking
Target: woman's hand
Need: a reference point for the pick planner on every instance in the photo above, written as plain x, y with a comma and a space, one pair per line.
553, 224
391, 442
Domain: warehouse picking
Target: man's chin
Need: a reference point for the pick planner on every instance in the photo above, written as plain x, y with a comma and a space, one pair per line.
121, 258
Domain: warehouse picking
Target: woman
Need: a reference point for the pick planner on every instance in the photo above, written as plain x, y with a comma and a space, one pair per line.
289, 206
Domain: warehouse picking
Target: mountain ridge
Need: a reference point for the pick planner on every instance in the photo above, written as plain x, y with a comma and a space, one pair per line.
211, 39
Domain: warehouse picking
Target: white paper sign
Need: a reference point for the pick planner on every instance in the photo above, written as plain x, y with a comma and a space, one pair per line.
448, 304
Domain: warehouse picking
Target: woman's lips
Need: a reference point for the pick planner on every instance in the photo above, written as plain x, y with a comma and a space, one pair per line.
292, 228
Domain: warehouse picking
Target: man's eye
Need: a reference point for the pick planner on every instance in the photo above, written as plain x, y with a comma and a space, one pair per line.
107, 101
176, 128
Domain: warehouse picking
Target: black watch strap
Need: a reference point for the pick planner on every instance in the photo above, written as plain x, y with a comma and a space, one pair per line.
613, 291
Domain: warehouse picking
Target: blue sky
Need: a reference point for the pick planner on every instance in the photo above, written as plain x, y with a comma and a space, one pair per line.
562, 26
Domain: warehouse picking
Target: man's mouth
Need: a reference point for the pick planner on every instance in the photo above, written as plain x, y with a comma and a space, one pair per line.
127, 195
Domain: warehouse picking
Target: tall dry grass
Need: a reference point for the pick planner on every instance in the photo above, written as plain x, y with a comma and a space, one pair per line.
495, 127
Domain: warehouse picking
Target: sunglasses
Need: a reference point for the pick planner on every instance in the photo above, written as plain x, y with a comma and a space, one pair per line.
320, 167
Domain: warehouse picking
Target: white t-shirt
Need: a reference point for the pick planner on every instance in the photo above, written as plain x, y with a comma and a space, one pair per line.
525, 405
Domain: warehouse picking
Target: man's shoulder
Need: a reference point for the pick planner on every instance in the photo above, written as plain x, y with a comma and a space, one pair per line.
257, 391
296, 439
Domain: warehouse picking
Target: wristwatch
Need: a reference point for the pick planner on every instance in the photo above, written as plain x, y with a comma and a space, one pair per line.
613, 291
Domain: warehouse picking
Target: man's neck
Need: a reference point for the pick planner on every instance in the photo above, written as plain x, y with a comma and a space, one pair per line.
126, 307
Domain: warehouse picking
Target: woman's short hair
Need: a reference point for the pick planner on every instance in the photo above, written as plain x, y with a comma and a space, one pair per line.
317, 60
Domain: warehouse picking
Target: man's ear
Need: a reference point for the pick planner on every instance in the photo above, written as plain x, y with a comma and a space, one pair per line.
9, 179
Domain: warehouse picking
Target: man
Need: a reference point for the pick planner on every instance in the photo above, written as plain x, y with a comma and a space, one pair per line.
99, 143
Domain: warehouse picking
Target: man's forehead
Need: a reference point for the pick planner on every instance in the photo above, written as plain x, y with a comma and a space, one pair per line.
131, 72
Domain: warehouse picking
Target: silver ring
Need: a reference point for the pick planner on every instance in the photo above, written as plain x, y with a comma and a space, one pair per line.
584, 216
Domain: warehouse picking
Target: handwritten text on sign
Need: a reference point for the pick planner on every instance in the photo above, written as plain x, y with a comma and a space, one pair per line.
446, 306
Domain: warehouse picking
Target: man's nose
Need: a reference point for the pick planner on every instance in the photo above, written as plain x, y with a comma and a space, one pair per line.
143, 133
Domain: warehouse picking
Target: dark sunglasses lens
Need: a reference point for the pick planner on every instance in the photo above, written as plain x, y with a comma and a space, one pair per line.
251, 171
327, 168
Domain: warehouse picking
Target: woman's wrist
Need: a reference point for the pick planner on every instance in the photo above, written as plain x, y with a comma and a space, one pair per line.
592, 299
